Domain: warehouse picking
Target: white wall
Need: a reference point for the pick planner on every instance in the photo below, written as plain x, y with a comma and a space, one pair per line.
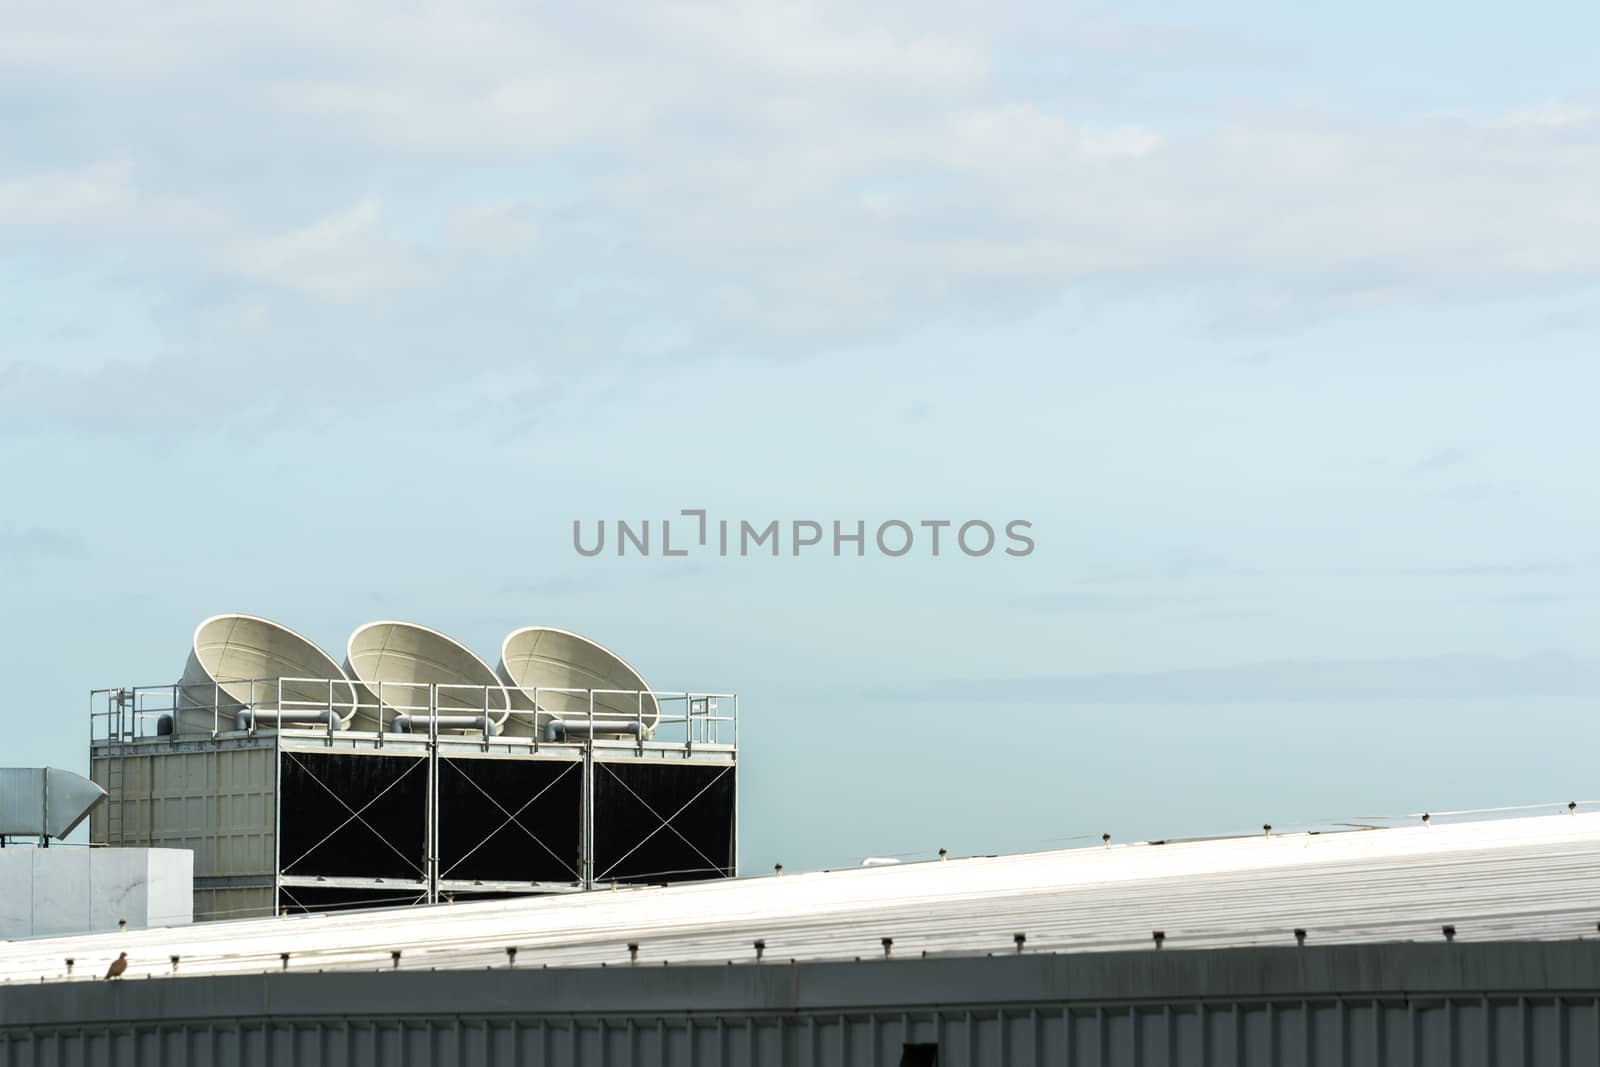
50, 891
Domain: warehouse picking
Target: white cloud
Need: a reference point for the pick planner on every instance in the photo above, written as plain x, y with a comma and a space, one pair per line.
827, 47
524, 112
768, 178
1550, 115
325, 236
68, 197
336, 256
1021, 142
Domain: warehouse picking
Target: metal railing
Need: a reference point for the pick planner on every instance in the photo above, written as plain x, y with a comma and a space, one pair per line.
338, 707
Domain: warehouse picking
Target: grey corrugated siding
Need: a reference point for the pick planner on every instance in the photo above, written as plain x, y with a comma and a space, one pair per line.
1274, 1034
1402, 1004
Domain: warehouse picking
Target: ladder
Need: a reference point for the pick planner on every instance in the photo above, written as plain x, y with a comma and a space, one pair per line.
114, 800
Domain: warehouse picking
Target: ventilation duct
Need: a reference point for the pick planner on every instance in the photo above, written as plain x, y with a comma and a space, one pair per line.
44, 802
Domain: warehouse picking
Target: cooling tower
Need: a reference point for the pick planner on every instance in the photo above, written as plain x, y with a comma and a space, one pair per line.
235, 663
544, 658
406, 659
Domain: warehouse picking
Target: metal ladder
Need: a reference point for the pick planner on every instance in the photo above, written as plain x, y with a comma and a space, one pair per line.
114, 800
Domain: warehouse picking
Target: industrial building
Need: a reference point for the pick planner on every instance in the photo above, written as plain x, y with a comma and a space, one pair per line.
412, 857
1448, 943
414, 772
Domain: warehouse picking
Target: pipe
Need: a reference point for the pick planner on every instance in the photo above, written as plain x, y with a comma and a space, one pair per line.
558, 729
286, 717
408, 724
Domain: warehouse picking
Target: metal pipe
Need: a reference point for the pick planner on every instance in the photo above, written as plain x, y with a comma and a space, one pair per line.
430, 862
586, 861
247, 718
277, 817
559, 729
407, 724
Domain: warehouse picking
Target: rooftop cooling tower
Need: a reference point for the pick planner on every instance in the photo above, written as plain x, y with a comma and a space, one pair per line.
547, 659
402, 660
234, 667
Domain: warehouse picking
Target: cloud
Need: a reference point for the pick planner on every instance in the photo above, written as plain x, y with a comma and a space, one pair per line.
317, 239
340, 255
1099, 602
1442, 458
644, 184
33, 544
1289, 682
1207, 566
68, 197
1474, 492
1551, 115
808, 44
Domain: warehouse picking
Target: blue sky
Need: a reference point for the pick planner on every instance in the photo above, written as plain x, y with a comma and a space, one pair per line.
1278, 325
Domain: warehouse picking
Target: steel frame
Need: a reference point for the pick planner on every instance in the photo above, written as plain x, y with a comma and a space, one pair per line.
123, 724
663, 822
510, 818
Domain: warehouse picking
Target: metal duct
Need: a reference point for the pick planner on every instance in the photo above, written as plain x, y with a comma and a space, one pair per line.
237, 661
544, 658
44, 801
408, 660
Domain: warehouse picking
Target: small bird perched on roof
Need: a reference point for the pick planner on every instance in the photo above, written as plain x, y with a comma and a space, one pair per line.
118, 965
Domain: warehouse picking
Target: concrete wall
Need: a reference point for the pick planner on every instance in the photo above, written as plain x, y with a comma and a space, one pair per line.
1528, 1004
52, 891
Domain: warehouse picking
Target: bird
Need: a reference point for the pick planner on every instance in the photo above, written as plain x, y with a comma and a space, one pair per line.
118, 965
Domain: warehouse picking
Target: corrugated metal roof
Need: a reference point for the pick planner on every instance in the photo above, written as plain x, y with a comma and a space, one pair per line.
1509, 879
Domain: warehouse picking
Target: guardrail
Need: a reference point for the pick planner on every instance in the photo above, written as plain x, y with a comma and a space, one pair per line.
247, 706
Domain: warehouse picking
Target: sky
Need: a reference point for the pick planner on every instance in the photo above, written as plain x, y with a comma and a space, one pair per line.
1278, 326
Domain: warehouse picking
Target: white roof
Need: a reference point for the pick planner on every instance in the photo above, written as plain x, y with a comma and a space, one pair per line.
1534, 878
